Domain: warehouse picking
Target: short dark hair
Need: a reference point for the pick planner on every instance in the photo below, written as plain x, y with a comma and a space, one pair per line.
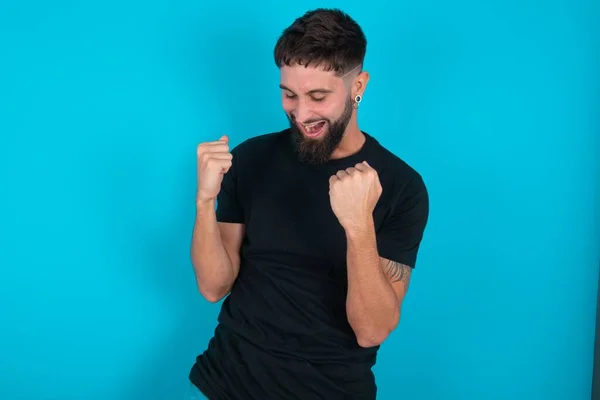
324, 37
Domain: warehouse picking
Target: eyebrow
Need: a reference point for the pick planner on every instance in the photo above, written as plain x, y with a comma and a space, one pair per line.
313, 91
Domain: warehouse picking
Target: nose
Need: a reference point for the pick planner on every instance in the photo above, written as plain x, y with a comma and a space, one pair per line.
302, 112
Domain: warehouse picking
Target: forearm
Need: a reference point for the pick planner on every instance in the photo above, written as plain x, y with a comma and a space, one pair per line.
371, 304
212, 265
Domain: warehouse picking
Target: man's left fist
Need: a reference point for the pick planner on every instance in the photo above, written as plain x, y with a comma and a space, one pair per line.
353, 194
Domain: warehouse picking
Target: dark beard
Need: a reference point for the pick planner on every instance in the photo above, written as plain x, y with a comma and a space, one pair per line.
319, 151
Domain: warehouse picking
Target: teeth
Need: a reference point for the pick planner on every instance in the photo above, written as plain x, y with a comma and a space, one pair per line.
312, 125
311, 128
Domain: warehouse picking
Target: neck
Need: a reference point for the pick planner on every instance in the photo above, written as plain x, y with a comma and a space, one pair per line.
352, 142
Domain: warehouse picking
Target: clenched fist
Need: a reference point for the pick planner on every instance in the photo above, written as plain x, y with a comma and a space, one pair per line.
353, 194
214, 160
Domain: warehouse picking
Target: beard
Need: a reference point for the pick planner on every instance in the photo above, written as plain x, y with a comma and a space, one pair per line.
319, 151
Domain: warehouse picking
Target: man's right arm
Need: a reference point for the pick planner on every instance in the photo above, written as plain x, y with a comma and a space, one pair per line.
215, 252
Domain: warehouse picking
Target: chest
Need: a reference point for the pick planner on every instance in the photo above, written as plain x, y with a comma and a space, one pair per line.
289, 211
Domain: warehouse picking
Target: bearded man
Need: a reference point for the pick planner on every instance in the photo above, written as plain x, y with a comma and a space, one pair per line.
310, 233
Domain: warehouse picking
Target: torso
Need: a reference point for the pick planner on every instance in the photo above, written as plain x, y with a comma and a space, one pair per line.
283, 331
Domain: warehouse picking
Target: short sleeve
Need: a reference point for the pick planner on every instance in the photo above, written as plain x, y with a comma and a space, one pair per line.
229, 206
401, 233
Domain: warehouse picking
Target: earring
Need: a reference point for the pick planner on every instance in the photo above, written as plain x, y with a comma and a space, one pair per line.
357, 100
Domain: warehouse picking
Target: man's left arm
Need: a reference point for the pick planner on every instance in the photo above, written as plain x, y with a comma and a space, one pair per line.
379, 264
376, 289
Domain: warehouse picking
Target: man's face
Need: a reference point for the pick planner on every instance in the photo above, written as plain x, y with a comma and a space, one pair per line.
318, 105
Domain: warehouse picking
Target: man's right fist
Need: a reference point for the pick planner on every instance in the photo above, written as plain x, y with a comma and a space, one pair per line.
214, 160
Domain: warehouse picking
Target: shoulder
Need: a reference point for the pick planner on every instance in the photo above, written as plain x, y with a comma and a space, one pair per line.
404, 206
258, 145
399, 179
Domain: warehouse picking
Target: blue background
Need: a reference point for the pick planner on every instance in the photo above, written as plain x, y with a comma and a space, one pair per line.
102, 105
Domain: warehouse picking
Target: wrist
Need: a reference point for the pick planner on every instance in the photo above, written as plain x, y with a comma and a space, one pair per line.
359, 228
205, 204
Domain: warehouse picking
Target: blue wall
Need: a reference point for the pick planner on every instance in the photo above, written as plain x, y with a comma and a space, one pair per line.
102, 105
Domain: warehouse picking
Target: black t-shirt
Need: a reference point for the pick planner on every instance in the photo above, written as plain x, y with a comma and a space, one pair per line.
283, 331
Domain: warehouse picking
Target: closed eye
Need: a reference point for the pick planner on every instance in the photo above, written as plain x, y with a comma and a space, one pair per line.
312, 97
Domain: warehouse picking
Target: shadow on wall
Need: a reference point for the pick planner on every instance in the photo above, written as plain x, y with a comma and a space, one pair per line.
221, 75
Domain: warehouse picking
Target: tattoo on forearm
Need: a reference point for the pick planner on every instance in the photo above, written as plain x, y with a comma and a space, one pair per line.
397, 272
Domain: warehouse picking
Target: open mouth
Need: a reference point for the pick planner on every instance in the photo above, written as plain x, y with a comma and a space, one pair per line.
313, 130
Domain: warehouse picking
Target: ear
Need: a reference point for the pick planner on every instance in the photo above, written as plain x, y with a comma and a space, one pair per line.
360, 84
